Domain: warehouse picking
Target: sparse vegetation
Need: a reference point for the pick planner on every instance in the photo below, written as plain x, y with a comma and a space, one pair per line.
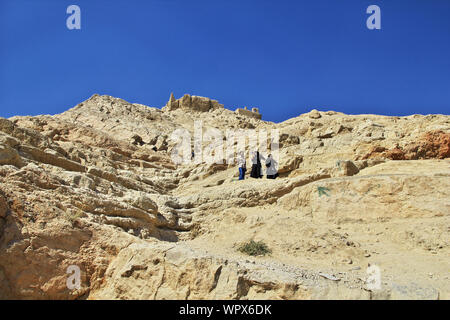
255, 248
323, 191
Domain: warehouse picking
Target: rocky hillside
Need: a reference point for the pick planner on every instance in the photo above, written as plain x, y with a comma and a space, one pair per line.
96, 187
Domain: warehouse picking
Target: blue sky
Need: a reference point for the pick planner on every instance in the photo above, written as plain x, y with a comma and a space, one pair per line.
285, 57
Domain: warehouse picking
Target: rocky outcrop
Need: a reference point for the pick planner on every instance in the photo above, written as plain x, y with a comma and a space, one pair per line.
178, 272
432, 145
314, 114
193, 103
10, 156
95, 187
383, 196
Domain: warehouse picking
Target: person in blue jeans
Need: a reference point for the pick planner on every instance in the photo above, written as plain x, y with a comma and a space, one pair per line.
242, 166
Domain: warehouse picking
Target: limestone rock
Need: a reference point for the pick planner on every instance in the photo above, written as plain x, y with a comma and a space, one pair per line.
348, 168
10, 156
3, 206
291, 163
432, 145
141, 201
314, 114
288, 140
161, 143
96, 187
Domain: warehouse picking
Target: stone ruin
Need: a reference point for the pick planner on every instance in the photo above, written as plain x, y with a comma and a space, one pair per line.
196, 103
254, 113
188, 102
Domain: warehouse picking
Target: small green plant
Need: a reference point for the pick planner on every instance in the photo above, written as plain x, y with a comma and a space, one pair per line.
323, 191
255, 248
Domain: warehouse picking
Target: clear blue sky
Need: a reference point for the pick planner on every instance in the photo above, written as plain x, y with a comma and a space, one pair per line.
286, 57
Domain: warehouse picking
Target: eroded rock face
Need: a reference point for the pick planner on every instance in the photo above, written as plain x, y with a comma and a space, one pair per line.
162, 272
9, 155
432, 145
95, 187
372, 198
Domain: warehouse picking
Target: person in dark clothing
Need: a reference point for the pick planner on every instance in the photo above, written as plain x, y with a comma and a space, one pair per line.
256, 165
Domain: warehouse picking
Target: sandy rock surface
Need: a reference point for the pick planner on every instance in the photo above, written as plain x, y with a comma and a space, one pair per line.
96, 187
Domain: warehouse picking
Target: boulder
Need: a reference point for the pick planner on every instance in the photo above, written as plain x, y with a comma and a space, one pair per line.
314, 114
290, 163
347, 168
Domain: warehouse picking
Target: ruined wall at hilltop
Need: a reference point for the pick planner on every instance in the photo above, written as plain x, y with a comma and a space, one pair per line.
254, 113
188, 102
202, 104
